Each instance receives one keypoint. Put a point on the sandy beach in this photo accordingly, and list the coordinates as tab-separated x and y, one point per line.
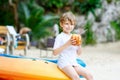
103	60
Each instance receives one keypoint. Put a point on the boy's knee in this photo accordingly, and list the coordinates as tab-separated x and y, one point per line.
75	77
89	76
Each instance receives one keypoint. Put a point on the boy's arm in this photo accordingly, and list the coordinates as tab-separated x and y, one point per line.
79	51
60	49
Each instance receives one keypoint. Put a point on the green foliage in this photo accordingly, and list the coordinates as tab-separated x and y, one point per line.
89	35
43	28
32	16
3	2
116	26
109	1
53	5
6	14
39	14
87	6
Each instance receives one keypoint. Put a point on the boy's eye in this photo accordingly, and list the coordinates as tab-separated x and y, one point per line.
66	23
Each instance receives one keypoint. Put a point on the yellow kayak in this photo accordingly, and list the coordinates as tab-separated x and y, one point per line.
28	69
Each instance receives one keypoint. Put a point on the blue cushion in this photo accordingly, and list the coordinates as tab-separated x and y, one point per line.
81	62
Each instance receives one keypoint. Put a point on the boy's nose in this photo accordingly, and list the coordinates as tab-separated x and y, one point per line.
71	27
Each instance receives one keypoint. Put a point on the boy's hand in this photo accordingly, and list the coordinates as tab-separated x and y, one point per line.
73	41
76	39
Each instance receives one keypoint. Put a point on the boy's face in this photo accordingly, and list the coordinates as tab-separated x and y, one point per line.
67	26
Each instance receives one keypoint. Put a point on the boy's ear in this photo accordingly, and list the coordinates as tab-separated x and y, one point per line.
61	24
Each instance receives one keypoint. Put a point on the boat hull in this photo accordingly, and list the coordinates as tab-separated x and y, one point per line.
28	69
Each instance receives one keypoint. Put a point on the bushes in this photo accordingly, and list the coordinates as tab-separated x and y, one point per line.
116	26
39	15
89	37
33	16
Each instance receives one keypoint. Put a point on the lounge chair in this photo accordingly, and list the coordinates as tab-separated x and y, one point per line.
19	42
48	48
4	39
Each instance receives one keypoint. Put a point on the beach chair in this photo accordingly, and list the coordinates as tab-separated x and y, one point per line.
4	39
48	47
19	42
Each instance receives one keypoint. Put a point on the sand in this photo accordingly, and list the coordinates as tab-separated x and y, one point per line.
103	60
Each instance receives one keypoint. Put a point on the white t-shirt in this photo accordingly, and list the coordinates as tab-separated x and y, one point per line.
67	56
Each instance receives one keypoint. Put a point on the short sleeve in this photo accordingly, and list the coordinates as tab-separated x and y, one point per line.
57	42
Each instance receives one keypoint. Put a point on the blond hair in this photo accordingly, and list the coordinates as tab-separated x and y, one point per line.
68	16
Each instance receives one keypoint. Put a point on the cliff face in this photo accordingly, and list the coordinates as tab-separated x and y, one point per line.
101	24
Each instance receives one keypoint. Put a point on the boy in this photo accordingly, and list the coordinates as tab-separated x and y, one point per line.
68	52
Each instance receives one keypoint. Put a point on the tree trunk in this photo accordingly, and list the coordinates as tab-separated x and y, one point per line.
14	5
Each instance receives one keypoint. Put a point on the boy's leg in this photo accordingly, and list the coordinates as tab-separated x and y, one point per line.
83	72
71	72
